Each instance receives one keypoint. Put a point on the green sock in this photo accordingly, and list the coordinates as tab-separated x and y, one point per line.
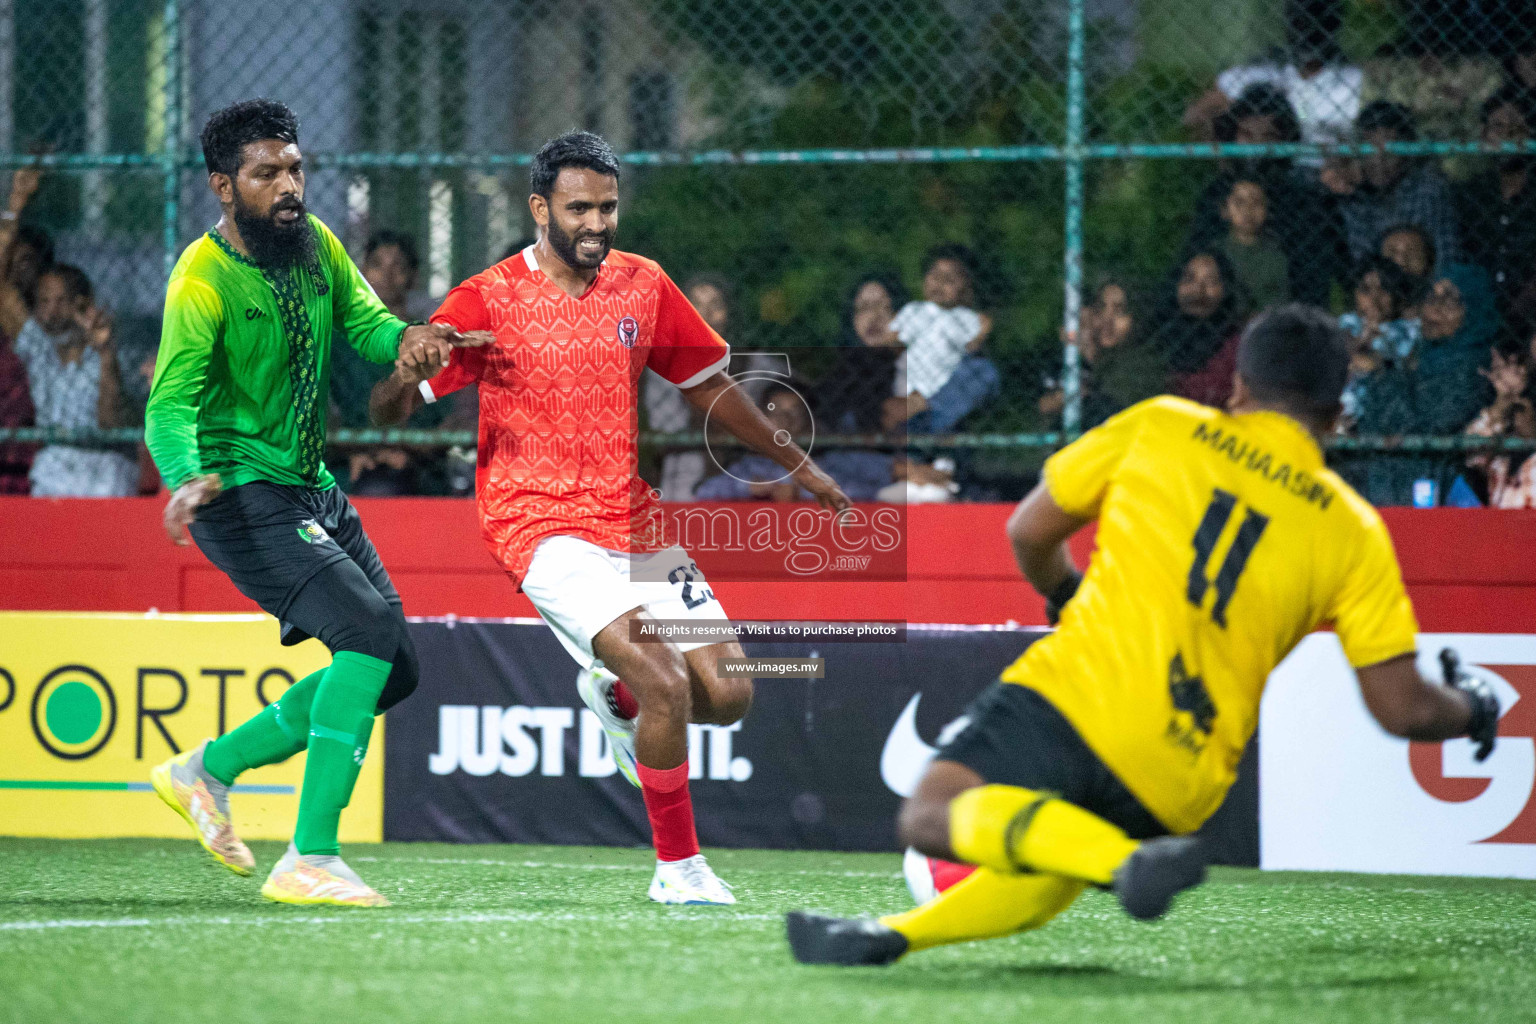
276	734
340	722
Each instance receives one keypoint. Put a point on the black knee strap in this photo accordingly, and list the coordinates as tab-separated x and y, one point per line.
1018	825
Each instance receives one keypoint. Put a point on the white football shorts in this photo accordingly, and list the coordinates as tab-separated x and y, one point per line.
579	588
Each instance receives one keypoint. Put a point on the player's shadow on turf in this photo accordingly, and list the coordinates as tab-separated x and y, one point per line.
1062	971
945	975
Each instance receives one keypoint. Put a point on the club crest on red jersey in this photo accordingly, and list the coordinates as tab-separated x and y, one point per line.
629	330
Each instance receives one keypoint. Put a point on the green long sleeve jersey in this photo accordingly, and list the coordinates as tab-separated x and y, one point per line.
241	381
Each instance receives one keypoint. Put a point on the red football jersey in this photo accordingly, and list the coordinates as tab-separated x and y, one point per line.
558	398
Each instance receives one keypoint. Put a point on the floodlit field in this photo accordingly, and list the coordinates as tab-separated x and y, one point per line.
141	930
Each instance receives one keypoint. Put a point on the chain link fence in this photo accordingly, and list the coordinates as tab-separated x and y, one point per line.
1059	207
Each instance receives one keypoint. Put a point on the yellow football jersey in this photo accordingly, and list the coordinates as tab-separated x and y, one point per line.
1222	541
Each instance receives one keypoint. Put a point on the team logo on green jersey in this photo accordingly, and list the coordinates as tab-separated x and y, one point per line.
313	532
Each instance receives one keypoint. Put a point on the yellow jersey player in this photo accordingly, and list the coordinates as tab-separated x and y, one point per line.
1223	539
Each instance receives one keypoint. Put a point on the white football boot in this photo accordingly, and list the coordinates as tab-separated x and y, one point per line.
596	688
689	882
316	880
203	802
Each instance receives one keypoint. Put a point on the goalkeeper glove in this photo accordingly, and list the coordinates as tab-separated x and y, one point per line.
1058	598
1484	723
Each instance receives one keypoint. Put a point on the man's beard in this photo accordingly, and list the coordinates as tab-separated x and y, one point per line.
565	246
272	244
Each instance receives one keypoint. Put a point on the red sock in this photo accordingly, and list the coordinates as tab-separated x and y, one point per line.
947	874
670	809
628	706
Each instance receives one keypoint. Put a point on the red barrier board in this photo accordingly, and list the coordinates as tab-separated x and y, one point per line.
1467	569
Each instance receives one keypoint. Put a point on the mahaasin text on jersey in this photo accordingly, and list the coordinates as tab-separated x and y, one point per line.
1298	482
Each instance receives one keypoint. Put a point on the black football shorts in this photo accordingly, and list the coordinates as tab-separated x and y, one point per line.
270	539
1015	737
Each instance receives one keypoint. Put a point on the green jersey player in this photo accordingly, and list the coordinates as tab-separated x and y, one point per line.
236	424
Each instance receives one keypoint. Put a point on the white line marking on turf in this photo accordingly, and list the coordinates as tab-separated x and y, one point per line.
124	922
490	863
523	916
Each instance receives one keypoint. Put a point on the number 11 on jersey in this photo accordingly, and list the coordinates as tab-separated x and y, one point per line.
1217	514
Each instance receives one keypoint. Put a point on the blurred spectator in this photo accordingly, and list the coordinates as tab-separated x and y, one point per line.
1497	210
753	477
1385	189
1301	216
72	373
853	393
1427	387
1459	323
149	474
919	483
1384	324
1442	90
390	263
941	378
710	295
1195	332
1496	479
15	411
1256	257
1115	368
18	261
1323	92
1411	248
26	249
667	411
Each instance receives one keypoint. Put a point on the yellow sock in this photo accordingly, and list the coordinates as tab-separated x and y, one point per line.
984	906
1012	829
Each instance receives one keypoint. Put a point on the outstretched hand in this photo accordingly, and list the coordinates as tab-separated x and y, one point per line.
1507	375
181	510
96	326
443	337
822	487
426	348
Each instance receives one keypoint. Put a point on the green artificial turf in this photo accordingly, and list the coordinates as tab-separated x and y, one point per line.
145	930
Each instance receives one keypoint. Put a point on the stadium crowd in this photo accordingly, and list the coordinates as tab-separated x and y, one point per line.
1433	275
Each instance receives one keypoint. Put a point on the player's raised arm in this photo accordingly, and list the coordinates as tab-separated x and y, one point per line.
688	353
397	396
460	328
378	335
368	324
1072	486
1038	529
193	319
728	405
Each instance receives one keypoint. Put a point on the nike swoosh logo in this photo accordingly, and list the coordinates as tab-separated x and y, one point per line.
905	756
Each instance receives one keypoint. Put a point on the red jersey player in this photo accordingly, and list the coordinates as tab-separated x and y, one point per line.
561	504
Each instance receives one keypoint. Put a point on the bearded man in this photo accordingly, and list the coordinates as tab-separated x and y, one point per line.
236	424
